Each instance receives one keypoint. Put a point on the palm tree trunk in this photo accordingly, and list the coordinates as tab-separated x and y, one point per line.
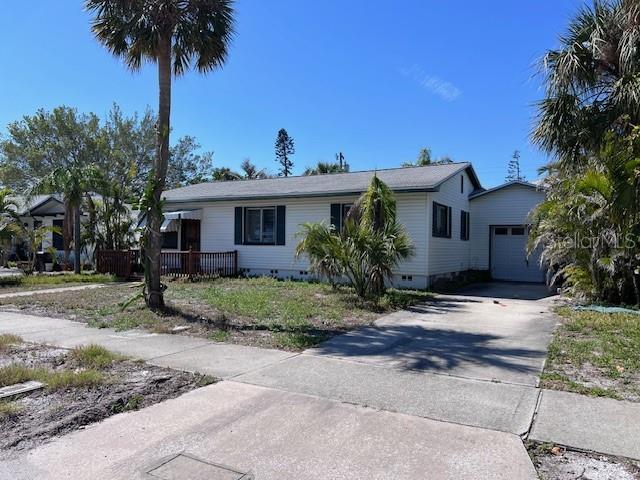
67	230
155	298
76	239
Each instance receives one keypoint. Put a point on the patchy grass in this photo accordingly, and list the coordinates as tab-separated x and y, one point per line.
7	340
596	354
219	336
94	356
77	397
259	311
55	380
9	409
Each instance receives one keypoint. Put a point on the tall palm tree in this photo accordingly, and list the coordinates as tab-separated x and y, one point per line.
176	35
592	81
73	182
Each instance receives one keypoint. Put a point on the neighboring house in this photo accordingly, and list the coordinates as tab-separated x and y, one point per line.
444	209
39	210
45	210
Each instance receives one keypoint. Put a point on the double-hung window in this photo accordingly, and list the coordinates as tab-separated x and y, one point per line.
260	225
441	220
339	212
464	225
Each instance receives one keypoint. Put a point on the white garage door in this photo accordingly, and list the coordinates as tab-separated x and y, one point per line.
509	255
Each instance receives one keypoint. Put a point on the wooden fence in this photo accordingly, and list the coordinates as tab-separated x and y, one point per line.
116	262
123	263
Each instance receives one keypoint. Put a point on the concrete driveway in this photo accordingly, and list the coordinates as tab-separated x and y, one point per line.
497	331
471	358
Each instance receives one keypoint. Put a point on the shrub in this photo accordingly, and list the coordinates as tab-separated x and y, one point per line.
367	249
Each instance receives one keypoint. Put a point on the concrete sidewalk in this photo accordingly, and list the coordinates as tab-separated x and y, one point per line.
601	425
28	293
274	435
495	406
173	351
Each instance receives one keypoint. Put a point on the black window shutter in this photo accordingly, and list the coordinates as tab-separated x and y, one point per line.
434	220
449	223
336	216
238	226
280	223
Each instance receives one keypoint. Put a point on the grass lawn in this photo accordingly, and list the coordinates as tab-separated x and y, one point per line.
19	283
596	354
259	311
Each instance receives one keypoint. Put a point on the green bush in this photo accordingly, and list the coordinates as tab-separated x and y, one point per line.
370	244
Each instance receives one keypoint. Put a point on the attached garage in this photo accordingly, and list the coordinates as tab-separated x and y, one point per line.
499	232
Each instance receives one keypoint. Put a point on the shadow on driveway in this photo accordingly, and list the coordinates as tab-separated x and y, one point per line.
467	335
436	350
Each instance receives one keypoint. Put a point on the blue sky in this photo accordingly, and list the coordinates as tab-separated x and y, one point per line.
374	79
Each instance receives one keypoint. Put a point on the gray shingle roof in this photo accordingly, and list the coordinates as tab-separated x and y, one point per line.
482	192
398	179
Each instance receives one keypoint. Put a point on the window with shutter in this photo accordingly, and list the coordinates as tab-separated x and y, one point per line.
260	225
441	222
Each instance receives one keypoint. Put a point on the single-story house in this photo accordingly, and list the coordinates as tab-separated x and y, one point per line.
43	210
455	224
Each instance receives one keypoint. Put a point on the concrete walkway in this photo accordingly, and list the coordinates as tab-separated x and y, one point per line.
174	351
28	293
598	424
273	435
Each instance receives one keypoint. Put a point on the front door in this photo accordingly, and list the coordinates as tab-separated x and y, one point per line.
190	235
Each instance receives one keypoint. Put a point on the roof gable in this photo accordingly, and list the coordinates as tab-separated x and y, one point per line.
512	183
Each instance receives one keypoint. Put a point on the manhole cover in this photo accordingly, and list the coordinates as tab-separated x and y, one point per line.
186	467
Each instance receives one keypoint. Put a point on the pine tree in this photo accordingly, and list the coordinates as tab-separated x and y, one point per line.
284	149
513	169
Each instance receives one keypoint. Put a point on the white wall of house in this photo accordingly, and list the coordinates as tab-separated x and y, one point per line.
508	206
217	234
450	255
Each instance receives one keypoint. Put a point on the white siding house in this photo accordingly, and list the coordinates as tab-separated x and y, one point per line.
260	219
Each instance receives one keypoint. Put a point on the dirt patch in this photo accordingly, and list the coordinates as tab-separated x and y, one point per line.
41	415
555	463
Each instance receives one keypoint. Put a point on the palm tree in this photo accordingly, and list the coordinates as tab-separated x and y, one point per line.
251	172
224	174
367	249
33	237
8	210
9	219
323	168
174	34
73	182
592	81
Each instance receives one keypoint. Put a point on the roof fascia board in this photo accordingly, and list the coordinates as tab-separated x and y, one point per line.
290	196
